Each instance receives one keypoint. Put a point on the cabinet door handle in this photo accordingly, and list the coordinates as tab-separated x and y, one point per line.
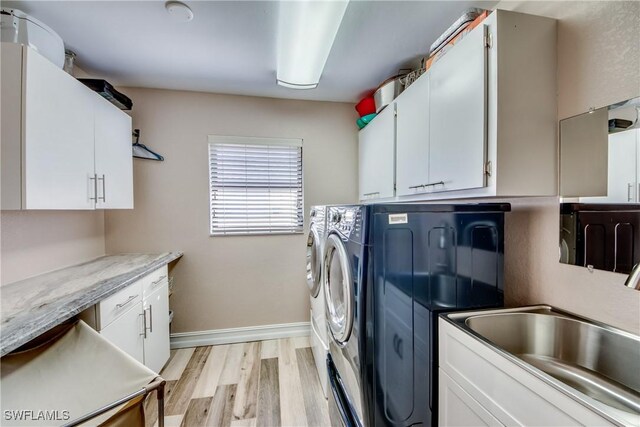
95	187
144	323
154	284
431	184
122	304
629	188
150	318
104	195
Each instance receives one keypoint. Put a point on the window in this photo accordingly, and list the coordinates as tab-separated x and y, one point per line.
255	185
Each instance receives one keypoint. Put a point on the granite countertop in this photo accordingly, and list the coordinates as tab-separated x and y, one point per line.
32	306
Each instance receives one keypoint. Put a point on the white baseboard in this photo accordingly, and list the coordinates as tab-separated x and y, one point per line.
234	335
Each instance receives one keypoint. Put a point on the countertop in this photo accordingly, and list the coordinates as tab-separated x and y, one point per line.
32	306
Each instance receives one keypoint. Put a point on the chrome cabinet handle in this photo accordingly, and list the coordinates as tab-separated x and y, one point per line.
629	188
427	185
104	199
95	187
371	194
150	319
144	323
154	284
122	304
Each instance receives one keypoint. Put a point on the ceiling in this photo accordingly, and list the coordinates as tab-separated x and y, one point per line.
230	46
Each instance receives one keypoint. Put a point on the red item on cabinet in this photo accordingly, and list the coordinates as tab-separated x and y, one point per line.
366	106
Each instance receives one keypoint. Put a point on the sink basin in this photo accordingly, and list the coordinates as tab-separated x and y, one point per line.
597	360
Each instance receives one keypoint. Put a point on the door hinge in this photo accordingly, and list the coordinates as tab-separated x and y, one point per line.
487	168
395	113
488	40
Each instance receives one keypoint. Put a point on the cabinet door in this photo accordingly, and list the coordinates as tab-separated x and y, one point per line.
457	408
377	156
412	138
621	169
622	187
156	343
114	161
58	150
10	129
126	333
458	108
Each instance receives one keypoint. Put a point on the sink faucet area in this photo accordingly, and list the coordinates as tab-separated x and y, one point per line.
576	355
633	280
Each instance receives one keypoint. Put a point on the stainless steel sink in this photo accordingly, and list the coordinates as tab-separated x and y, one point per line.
599	361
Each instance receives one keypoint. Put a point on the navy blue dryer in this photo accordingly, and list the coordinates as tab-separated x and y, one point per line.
425	260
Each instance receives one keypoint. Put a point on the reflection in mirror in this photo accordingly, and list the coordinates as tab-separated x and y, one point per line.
600	188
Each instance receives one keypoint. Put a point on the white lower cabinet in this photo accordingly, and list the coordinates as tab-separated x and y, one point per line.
458	408
136	319
156	322
126	333
479	386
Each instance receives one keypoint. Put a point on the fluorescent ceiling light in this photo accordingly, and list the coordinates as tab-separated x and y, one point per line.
306	31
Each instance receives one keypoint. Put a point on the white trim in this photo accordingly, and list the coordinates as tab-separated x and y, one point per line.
234	335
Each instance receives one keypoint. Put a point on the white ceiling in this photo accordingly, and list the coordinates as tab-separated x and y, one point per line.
230	46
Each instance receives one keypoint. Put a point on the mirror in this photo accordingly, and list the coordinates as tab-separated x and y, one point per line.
600	188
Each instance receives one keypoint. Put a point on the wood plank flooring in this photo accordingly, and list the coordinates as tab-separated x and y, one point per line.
263	383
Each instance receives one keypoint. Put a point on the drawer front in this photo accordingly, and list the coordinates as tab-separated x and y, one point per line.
119	303
153	281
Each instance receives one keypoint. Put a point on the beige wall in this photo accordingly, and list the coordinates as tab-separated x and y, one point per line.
34	242
225	282
598	64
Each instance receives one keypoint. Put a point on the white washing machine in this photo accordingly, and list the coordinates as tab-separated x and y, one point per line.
315	251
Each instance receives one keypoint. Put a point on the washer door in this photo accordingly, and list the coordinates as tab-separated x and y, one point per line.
314	260
337	288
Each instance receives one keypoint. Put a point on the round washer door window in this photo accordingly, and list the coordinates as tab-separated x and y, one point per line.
337	287
314	259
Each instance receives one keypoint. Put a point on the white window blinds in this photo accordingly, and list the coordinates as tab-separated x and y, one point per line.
255	185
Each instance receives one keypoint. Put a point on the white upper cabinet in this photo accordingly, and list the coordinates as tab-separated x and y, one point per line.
412	139
458	111
623	169
114	162
57	136
481	122
376	155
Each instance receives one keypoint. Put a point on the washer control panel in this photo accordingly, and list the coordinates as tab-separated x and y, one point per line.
347	220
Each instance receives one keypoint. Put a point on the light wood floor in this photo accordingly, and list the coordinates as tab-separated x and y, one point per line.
263	383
